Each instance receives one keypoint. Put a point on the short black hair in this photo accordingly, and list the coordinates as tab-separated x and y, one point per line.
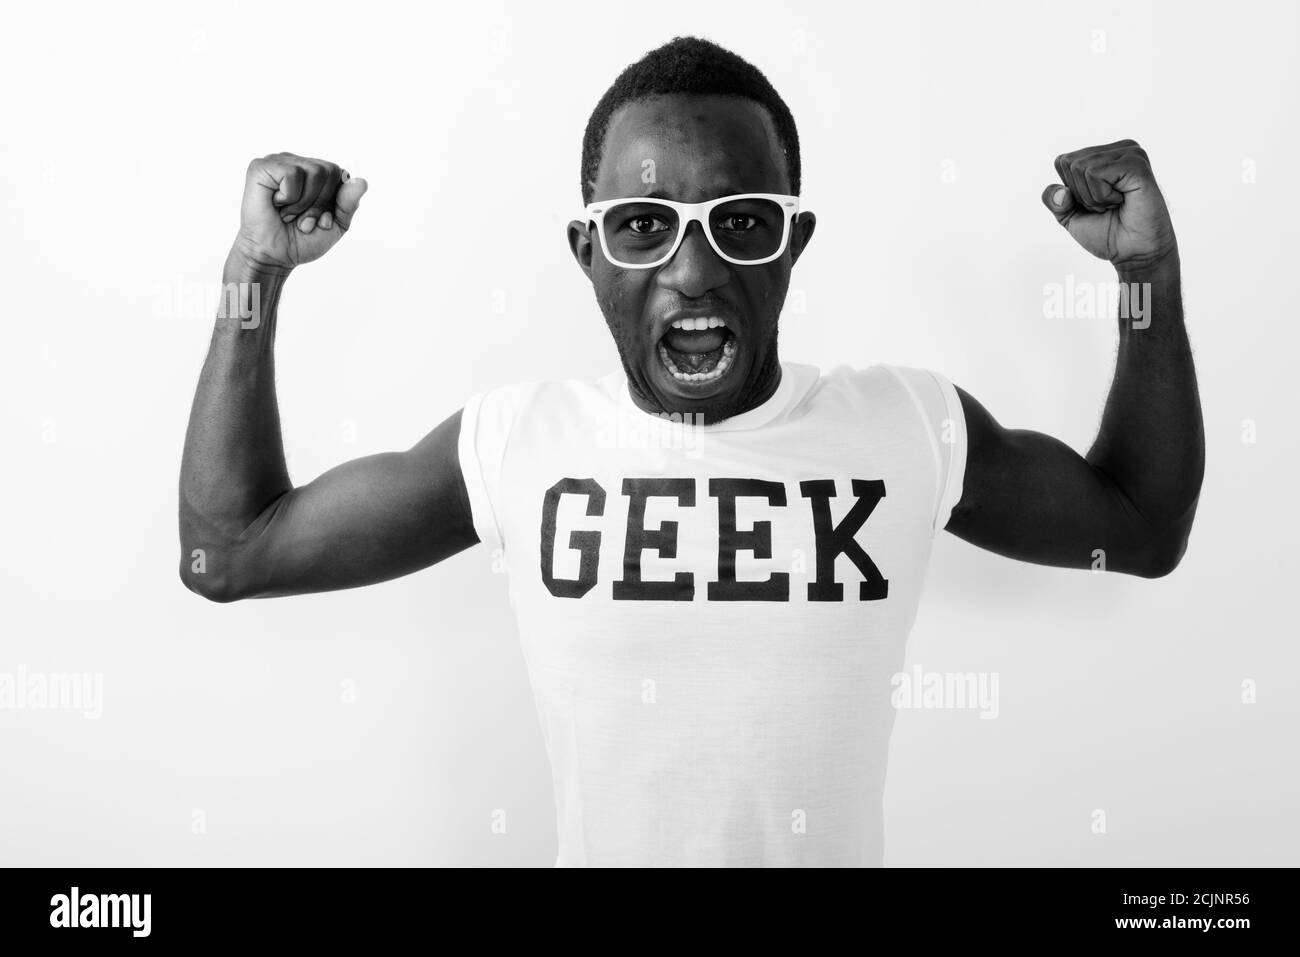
693	66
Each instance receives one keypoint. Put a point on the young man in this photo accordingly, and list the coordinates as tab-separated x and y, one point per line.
715	556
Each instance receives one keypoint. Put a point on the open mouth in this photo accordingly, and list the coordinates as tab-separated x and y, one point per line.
698	350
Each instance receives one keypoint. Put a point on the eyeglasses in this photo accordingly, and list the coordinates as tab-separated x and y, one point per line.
747	229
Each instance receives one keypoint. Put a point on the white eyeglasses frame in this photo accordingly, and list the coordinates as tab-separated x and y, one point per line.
688	213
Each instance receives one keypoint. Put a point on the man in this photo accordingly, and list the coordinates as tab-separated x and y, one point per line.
715	556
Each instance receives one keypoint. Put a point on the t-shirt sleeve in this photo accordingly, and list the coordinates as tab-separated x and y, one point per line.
945	422
484	428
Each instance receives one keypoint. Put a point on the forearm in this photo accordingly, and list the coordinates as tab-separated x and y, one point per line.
233	466
1151	443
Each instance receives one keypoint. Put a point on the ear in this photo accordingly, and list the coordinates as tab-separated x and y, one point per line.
801	231
580	244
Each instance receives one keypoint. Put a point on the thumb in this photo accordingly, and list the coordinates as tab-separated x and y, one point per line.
1060	201
347	199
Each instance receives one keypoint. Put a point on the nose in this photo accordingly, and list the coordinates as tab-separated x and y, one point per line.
695	268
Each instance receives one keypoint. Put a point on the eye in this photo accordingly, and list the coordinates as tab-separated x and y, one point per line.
647	224
736	222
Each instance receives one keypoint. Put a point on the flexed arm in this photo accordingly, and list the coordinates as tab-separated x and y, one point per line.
1132	499
245	530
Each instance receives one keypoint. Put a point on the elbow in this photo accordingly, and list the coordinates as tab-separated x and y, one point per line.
1165	553
198	575
213	563
1161	566
212	592
1165	542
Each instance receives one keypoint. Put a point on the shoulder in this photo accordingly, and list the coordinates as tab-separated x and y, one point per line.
875	386
525	395
501	409
930	391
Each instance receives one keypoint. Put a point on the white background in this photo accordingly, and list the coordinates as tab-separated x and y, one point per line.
928	133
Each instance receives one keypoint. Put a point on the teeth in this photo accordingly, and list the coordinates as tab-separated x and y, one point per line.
668	361
700	324
728	353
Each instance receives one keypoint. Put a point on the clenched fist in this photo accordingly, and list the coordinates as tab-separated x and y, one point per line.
294	210
1111	205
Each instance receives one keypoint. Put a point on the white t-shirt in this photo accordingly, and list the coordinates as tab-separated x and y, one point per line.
711	615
